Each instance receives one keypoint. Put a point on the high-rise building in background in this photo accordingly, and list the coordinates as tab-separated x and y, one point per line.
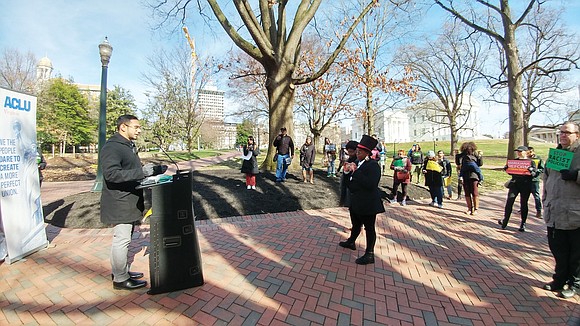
211	104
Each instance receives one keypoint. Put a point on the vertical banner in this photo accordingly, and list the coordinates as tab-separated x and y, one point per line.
22	228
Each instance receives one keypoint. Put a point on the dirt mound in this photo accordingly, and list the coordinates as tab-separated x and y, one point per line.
222	193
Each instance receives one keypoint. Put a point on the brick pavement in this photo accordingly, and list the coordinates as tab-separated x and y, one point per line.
433	267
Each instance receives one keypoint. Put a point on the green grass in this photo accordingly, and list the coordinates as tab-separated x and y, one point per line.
494	152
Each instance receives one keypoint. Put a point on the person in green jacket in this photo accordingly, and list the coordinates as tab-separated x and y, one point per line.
536	180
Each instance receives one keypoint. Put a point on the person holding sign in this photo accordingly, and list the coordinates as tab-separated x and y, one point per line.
522	170
402	167
536	180
561	199
434	172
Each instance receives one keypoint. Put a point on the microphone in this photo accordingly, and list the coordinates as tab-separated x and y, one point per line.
164	152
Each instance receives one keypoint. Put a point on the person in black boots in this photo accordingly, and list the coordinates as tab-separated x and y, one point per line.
362	179
519	184
561	198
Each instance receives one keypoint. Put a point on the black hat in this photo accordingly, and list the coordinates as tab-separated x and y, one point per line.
521	149
367	142
283	129
351	144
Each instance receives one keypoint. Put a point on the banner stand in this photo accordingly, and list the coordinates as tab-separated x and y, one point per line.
22	228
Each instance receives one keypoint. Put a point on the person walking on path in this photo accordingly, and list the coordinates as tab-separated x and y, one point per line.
470	173
417	159
520	184
307	157
350	148
121	204
536	180
250	165
401	165
561	199
363	184
434	171
284	154
330	152
447	176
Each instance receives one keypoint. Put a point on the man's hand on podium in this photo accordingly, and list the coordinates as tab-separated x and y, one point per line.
151	169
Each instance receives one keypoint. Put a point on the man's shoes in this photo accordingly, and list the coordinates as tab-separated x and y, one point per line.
404	203
249	187
347	244
367	258
522	227
432	204
440	205
129	284
133	275
570	292
552	286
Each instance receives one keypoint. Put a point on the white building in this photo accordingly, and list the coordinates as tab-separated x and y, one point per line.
428	123
392	126
211	103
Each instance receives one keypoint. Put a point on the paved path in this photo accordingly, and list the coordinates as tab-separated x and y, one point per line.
433	267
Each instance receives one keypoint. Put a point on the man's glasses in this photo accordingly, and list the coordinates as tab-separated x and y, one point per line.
566	132
134	127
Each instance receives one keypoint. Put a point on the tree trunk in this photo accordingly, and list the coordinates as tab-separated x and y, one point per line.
281	103
370	112
515	99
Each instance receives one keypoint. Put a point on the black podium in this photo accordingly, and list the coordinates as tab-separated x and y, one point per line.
175	256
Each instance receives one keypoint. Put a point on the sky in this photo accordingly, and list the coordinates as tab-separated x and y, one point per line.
68	32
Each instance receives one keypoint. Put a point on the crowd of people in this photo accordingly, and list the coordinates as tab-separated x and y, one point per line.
363	164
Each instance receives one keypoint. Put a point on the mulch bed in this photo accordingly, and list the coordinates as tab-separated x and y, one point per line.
222	193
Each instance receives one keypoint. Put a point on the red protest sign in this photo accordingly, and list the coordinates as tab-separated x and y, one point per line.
518	167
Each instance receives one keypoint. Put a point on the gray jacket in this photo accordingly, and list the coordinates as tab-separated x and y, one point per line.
561	198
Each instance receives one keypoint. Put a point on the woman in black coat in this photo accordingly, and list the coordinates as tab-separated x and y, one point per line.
363	179
307	157
250	165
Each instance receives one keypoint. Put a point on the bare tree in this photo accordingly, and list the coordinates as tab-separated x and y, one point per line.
273	38
447	68
367	65
499	23
172	106
247	81
551	51
17	70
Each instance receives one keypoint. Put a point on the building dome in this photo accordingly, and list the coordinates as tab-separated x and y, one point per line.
45	62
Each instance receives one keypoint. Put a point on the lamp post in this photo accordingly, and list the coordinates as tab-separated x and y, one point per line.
105	51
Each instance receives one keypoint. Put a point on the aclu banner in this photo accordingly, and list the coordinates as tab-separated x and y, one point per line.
21	220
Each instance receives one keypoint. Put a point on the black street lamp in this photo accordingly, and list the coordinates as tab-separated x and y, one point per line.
105	50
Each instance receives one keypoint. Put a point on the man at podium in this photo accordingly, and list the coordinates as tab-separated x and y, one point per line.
121	204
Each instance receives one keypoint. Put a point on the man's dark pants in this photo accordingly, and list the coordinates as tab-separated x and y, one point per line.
565	247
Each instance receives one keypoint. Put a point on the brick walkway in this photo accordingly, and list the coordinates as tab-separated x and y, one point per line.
433	267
